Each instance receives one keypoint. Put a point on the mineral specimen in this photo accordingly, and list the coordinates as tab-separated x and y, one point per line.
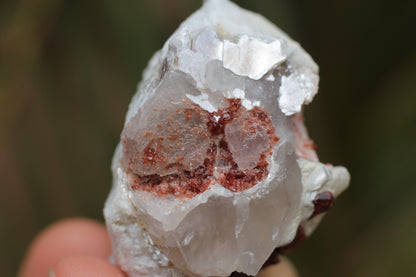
215	169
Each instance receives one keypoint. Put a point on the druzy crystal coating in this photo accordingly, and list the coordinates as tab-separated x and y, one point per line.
215	169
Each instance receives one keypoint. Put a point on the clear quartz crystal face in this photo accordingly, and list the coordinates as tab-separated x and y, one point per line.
215	169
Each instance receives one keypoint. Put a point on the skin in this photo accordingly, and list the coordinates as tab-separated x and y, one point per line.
81	247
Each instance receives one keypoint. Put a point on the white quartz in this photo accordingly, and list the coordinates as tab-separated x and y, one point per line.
220	52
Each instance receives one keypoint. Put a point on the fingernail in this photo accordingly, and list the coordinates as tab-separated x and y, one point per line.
51	273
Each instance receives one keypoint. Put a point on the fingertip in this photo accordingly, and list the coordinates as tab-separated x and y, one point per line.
84	265
64	238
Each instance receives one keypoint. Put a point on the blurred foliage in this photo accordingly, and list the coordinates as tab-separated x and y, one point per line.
69	68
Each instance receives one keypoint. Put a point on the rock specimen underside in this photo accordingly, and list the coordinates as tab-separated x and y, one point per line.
215	172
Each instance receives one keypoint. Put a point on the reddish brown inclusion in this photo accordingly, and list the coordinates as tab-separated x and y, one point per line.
322	203
189	183
238	180
185	183
226	115
152	155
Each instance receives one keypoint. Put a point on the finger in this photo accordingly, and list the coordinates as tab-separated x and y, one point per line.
84	265
64	238
283	269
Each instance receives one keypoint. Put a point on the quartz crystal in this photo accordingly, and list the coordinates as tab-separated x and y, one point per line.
215	169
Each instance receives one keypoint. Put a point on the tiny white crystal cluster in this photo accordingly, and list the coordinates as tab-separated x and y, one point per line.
221	52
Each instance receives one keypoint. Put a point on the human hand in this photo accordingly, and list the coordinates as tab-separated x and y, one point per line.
81	247
72	247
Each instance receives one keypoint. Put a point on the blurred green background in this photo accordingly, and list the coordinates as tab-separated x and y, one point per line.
69	68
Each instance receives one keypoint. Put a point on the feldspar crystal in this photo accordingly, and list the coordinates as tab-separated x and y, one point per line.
215	169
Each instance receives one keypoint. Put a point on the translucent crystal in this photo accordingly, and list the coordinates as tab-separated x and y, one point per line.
166	136
247	140
215	168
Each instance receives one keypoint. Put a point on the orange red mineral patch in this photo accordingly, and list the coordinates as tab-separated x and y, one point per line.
219	165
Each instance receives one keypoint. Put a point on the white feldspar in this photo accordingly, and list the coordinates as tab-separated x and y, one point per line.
219	53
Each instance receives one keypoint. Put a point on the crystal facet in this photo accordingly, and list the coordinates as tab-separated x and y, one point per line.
215	169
